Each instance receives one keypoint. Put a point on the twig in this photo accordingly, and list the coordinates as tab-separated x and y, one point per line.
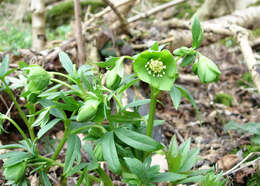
104	12
154	10
234	169
252	65
79	36
118	14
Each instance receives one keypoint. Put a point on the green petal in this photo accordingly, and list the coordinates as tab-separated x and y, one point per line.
169	61
139	66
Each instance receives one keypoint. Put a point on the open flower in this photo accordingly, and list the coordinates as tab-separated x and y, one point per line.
157	68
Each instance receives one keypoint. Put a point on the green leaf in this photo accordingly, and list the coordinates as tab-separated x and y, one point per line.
11	146
110	152
76	169
207	70
66	63
168	177
72	153
137	140
4	66
189	97
197	33
137	103
47	127
137	167
175	96
187	60
105	178
255	139
111	61
44	178
16	172
155	47
15	158
42	119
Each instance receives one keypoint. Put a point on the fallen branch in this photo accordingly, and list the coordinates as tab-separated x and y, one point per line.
118	14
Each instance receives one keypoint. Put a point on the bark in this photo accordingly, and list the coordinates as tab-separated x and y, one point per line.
38	24
79	37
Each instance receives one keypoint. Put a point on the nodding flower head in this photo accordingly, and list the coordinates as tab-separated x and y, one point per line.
157	68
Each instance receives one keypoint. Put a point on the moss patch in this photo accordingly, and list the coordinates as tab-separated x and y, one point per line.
224	99
246	81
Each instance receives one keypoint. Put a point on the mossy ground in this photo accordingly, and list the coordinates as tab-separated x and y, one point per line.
223	98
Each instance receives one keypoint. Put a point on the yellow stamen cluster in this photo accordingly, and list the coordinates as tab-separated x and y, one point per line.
155	68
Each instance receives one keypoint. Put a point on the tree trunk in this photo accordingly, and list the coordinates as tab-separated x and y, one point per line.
79	37
38	24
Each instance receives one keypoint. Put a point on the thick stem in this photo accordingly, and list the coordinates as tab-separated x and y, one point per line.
154	93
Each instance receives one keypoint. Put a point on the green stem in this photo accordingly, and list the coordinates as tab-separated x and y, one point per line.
21	113
66	85
75	131
85	171
74	81
154	94
19	129
53	162
63	140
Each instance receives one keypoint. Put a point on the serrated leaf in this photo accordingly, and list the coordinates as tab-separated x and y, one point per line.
72	153
137	103
15	158
137	140
47	127
110	152
175	96
66	63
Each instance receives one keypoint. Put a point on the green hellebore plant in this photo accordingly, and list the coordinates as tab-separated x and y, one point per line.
88	110
157	68
38	79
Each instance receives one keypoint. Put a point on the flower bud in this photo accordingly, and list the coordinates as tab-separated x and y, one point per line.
88	110
15	173
38	79
112	80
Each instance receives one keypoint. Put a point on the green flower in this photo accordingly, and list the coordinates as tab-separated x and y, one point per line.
38	79
157	68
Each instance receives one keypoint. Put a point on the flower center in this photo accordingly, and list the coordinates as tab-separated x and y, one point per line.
155	67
